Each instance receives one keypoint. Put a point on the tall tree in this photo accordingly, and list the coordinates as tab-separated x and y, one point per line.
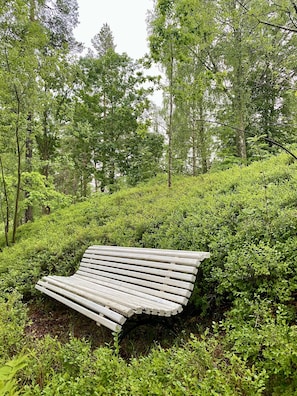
236	33
233	75
273	75
21	39
110	123
27	43
164	47
103	41
181	38
57	75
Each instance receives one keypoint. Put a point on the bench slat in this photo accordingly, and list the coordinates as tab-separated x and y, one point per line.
161	252
138	281
186	269
149	257
123	287
170	272
97	318
130	286
134	276
136	304
61	288
158	305
93	295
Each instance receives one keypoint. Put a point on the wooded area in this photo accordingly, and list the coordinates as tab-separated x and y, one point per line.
73	123
79	131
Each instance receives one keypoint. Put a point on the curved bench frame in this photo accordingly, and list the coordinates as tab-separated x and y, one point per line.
114	283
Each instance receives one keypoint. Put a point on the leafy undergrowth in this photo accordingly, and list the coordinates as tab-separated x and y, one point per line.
140	336
245	293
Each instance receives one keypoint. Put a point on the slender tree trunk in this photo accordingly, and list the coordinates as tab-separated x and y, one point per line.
45	145
29	150
95	177
194	129
170	123
239	101
6	216
239	110
194	149
203	143
29	155
85	185
19	154
19	175
241	142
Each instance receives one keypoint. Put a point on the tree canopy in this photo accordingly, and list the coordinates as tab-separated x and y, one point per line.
84	122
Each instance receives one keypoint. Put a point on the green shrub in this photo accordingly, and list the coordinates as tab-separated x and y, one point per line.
255	269
45	361
198	367
8	372
13	320
263	337
245	217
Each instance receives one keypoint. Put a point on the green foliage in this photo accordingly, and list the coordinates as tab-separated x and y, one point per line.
257	269
8	383
42	193
111	136
13	319
179	30
199	367
35	41
265	338
245	217
229	68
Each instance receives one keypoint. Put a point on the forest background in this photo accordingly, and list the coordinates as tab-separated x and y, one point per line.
75	124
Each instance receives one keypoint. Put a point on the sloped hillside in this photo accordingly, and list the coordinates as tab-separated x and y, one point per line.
245	217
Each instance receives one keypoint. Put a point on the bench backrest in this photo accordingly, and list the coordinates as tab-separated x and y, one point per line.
168	274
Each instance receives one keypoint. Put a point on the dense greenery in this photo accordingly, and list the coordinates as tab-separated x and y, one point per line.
245	217
230	70
75	122
71	123
77	126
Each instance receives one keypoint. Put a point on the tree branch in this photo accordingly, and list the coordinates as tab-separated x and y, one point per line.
281	146
292	30
294	6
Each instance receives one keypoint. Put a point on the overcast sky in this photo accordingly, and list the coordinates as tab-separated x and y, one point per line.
126	18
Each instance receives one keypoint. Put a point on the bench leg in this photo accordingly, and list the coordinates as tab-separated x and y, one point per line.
141	320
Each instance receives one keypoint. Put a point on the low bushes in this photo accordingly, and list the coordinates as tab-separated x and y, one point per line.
199	367
245	217
258	358
13	320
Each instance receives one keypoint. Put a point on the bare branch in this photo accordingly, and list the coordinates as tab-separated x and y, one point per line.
288	29
281	146
294	6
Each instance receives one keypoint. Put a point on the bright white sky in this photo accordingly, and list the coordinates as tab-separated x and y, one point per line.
126	18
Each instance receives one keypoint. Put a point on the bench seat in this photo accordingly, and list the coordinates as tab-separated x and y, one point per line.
114	283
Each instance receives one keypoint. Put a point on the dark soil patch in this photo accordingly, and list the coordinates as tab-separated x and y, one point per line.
57	320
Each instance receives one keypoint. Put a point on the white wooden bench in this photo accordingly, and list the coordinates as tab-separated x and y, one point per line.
113	283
